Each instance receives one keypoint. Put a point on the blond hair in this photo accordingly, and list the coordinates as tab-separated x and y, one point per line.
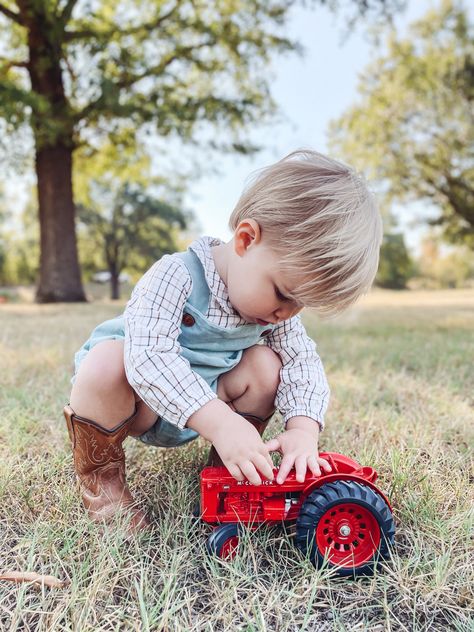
319	217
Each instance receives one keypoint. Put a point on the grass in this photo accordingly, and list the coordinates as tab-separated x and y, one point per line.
400	366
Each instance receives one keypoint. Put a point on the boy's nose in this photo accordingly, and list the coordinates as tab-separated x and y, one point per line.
286	312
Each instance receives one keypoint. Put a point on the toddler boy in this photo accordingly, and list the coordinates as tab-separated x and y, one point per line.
211	341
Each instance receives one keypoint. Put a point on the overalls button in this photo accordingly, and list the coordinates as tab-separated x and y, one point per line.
188	320
267	332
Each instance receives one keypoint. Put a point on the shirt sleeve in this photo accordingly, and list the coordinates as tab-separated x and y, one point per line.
303	388
154	366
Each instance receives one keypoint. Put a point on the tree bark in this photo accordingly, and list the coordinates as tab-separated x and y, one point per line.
111	249
60	278
114	286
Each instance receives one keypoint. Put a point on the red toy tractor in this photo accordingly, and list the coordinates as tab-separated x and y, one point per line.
341	519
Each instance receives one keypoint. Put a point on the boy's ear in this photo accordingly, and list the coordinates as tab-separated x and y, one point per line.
246	234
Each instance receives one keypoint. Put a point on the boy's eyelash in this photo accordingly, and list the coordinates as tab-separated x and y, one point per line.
280	295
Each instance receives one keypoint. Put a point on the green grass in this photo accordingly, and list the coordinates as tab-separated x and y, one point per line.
400	367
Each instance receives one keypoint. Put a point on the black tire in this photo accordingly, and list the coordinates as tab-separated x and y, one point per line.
221	537
371	528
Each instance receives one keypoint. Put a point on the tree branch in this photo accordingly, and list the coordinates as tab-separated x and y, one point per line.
11	15
12	63
127	80
90	33
180	52
67	11
72	36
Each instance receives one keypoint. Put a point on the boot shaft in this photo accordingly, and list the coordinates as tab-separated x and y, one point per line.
99	462
94	446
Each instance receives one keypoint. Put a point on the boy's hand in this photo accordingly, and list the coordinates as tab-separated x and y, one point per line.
237	442
242	450
299	447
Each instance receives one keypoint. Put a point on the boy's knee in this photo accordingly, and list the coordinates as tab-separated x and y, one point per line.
266	365
103	368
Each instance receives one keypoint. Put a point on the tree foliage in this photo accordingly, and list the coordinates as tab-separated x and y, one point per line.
86	73
18	244
396	266
129	63
129	229
444	267
413	128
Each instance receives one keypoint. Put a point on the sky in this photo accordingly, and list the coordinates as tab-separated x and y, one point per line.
310	92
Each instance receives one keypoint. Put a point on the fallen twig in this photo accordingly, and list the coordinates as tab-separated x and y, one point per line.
35	578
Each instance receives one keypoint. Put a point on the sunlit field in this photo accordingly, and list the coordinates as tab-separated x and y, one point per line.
401	370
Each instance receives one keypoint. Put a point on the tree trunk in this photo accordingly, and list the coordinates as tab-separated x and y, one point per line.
112	257
114	286
53	129
60	278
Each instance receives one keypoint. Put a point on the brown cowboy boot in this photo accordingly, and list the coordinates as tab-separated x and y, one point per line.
214	460
99	461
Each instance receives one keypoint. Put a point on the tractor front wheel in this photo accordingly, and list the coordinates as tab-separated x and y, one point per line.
224	541
346	526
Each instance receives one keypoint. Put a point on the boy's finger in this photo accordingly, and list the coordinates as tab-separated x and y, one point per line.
313	466
285	468
250	473
270	463
263	466
265	452
300	467
273	445
324	464
234	471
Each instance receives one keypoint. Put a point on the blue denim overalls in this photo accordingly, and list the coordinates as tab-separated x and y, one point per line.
210	349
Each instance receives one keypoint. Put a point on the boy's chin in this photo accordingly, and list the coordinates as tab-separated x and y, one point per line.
252	319
249	319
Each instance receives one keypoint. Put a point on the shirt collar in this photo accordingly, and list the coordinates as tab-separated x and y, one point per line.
202	248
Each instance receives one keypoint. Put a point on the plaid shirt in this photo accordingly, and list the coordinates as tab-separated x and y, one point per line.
165	380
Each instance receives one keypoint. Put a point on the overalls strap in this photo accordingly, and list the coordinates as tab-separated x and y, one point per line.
199	297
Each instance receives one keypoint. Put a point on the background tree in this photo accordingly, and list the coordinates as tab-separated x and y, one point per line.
445	267
81	71
413	128
396	266
2	238
129	229
19	248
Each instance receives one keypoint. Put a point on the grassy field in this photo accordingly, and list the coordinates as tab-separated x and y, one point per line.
401	370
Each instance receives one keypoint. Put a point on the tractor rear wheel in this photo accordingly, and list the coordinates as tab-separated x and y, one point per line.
346	526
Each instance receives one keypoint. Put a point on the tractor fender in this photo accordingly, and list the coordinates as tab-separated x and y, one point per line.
330	478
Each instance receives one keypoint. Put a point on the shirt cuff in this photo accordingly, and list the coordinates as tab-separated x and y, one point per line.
195	407
296	412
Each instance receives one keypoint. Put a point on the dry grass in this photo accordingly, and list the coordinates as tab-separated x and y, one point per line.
400	365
